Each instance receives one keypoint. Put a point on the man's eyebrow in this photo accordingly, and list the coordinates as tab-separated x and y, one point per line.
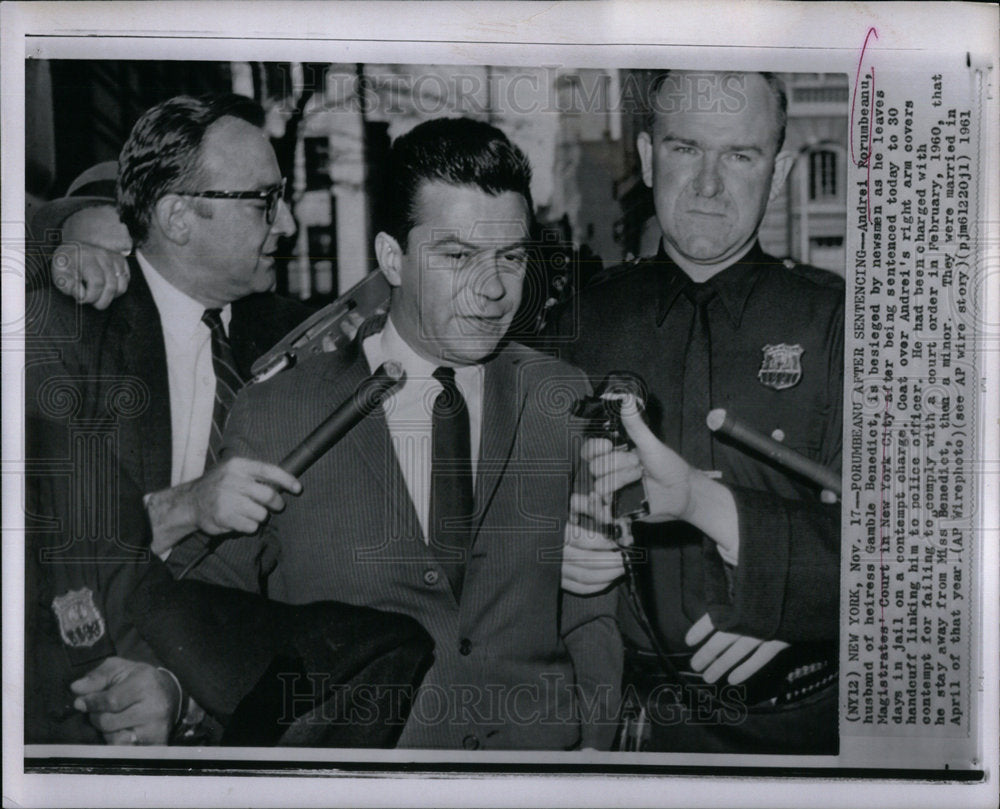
458	242
736	147
677	139
453	240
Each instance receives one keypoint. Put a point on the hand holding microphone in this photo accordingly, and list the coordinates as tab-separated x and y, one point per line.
674	489
368	395
233	496
592	561
599	527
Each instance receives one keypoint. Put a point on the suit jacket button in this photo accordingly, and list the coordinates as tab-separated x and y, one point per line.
465	646
470	742
430	577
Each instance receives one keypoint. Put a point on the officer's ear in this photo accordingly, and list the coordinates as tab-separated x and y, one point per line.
172	215
644	143
390	258
783	163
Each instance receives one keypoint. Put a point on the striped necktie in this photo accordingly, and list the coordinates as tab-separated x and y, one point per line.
227	381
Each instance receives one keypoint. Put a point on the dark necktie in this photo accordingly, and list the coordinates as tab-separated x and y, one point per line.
451	480
227	382
696	438
696	449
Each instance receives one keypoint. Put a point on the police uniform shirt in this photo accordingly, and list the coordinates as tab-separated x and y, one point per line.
775	360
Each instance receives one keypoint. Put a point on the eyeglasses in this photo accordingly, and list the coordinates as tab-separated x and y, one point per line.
270	196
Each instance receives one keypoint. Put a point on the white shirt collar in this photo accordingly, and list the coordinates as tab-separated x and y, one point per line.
390	345
180	314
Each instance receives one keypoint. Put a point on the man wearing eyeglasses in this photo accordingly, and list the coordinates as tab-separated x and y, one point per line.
201	194
199	190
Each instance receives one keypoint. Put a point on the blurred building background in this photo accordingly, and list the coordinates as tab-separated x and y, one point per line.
331	125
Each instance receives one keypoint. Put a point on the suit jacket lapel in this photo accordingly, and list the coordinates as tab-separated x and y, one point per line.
370	440
144	356
503	402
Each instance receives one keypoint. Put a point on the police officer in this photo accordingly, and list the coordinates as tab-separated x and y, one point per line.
712	321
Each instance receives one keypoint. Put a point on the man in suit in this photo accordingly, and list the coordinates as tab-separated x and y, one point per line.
448	504
712	321
102	611
200	192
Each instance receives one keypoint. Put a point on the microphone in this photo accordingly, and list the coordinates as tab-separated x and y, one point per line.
721	421
367	396
629	502
601	414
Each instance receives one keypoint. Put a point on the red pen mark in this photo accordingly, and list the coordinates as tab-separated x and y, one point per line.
857	78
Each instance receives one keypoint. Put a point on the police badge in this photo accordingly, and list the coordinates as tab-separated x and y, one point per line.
80	622
782	366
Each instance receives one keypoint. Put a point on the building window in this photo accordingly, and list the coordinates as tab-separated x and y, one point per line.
822	175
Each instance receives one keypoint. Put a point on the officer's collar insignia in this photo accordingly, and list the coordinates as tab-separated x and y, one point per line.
782	366
80	622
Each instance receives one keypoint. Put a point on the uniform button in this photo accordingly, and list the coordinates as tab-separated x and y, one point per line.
465	646
470	743
430	577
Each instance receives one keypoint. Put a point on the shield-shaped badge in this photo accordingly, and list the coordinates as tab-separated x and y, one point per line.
80	621
782	366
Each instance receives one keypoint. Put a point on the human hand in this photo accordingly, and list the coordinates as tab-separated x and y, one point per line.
667	475
591	562
89	274
234	496
90	264
740	655
129	702
675	490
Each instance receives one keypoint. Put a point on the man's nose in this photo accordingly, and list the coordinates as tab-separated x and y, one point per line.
284	222
489	283
708	182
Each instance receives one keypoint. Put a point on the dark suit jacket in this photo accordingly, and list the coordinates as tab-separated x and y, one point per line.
112	366
98	436
512	653
66	642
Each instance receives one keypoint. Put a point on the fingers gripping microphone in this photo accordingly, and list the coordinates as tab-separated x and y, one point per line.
368	395
602	414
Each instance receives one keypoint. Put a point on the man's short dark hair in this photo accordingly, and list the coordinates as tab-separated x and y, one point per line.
163	152
457	151
774	83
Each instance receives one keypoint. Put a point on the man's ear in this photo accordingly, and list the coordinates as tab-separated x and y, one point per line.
390	258
644	143
783	163
172	214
